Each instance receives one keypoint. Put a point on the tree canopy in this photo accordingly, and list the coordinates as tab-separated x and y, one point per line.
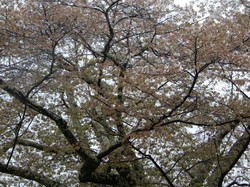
124	93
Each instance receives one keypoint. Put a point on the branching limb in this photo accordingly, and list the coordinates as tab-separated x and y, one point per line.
17	129
163	173
60	122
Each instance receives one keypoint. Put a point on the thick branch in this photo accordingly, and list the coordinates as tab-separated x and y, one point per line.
37	146
201	170
232	157
109	150
103	178
30	175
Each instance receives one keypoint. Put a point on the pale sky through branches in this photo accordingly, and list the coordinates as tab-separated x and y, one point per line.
182	2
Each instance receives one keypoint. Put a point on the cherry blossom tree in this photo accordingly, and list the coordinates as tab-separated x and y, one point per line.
124	93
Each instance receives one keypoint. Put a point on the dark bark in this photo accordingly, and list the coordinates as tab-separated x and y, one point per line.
30	175
228	161
103	178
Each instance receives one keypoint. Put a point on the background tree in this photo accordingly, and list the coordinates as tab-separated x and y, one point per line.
124	93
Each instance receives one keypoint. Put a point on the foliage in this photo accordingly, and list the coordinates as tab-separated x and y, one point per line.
124	93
